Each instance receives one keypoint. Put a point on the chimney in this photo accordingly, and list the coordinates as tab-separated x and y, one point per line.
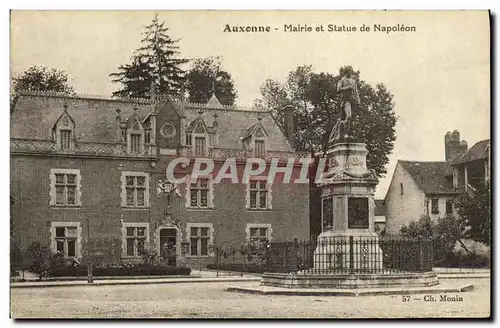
288	123
152	91
453	147
118	125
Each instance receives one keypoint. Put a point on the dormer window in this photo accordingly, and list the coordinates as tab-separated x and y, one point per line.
255	139
135	135
197	137
63	131
135	143
259	148
65	139
200	146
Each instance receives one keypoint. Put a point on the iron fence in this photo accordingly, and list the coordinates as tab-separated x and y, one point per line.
334	255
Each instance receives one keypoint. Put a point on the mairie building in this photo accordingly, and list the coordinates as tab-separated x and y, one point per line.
88	173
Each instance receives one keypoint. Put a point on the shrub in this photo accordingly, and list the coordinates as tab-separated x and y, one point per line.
150	257
239	267
40	259
131	270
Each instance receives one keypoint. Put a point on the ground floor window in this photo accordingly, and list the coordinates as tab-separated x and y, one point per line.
135	238
66	239
258	233
200	236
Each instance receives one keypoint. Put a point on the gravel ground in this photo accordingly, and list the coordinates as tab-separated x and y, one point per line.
211	300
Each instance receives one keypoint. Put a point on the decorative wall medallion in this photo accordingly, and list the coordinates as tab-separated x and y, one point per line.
333	163
355	161
167	131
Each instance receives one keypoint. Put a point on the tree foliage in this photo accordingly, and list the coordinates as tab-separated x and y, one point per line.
207	76
317	108
156	61
43	79
474	210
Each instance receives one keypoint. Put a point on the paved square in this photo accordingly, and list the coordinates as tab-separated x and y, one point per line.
211	300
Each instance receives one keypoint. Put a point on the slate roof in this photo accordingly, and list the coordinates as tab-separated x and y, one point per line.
476	152
380	209
431	177
95	118
234	123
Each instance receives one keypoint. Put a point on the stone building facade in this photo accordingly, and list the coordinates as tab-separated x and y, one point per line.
428	188
85	174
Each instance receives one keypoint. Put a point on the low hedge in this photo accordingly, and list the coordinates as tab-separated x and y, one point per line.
463	261
238	267
140	270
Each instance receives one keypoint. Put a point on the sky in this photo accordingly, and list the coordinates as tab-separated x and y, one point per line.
439	74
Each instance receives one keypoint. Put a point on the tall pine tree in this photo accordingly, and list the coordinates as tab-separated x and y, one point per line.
156	61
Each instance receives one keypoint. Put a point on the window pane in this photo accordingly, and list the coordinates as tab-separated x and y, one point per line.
130	181
194	231
188	139
263	199
204	183
194	246
71	247
253	232
204	198
253	199
199	146
130	247
59	195
204	232
262	184
141	231
140	246
71	179
60	232
60	178
259	148
130	196
130	231
194	197
71	232
140	181
253	184
60	245
135	146
263	232
140	196
71	195
65	139
204	246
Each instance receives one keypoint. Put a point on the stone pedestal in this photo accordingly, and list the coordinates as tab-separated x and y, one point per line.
347	209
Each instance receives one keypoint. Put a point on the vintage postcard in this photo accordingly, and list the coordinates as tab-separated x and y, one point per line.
250	164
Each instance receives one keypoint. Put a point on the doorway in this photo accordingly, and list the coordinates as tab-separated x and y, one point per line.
168	246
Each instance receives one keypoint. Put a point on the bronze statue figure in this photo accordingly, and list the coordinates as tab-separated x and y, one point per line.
349	98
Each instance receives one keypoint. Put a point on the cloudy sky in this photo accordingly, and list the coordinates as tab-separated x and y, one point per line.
439	74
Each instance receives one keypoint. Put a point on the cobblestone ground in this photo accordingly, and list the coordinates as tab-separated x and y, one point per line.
210	300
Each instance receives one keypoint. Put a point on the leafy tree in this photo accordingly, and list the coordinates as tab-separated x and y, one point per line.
207	76
154	62
41	78
443	240
474	210
317	105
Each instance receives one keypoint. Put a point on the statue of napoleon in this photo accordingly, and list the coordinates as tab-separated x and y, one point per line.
349	100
